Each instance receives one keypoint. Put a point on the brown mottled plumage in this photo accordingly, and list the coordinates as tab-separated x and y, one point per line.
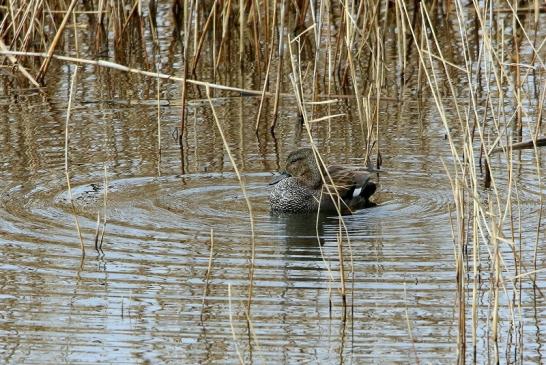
300	188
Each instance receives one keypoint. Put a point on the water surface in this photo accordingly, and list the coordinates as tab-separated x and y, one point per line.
148	296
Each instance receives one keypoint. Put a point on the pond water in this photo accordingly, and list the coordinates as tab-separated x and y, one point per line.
148	295
142	300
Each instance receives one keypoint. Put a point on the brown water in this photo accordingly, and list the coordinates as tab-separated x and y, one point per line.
141	299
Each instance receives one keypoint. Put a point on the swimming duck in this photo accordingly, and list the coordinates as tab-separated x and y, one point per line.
300	189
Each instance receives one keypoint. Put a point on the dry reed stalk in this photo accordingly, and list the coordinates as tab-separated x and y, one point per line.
536	142
253	336
97	232
196	26
133	12
247	200
214	50
76	12
496	284
207	274
317	27
225	24
100	29
152	17
329	68
67	175
317	235
540	110
75	26
532	144
484	222
185	55
158	124
460	239
326	117
461	274
256	33
408	323
475	206
339	241
117	66
457	191
266	80
477	209
197	51
21	19
234	335
517	75
350	36
45	64
242	32
379	81
329	186
20	67
279	66
104	214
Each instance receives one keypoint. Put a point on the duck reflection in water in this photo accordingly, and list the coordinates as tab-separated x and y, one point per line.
302	230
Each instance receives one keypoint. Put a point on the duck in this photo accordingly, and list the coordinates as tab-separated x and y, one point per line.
300	189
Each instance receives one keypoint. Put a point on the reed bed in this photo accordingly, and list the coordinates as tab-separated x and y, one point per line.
480	63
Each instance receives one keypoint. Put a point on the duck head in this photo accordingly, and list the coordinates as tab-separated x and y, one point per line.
302	164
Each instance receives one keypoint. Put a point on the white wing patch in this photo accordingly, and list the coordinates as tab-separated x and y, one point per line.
356	192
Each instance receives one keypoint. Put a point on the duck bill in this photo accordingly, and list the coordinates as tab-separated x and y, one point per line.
278	178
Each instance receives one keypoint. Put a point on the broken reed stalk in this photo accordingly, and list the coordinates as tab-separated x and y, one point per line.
247	200
67	175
